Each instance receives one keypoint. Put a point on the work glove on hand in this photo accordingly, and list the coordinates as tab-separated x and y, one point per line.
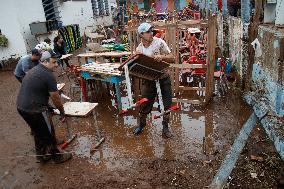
50	109
62	116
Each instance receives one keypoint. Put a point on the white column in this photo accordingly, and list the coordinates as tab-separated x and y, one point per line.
279	12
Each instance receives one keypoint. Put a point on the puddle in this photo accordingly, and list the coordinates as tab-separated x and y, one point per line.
193	128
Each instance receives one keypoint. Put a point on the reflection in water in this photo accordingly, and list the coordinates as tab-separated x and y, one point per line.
190	127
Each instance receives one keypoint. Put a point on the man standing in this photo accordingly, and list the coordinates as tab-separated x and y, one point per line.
59	49
32	104
158	49
26	63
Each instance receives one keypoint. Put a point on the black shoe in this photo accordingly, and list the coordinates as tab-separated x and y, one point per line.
166	132
142	124
62	158
42	159
138	130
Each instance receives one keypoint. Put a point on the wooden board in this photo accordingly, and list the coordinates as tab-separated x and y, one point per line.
105	54
187	66
191	101
209	83
66	56
95	36
78	109
91	54
102	68
60	86
145	67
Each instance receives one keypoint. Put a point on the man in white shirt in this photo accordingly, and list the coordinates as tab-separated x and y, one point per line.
159	50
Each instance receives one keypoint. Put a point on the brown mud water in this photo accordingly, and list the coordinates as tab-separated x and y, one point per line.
201	138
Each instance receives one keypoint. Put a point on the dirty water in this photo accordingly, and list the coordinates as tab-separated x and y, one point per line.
193	128
123	160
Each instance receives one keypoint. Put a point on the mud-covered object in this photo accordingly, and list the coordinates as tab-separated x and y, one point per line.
145	67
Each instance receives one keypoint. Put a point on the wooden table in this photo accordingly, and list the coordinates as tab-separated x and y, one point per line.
114	54
103	75
96	38
78	109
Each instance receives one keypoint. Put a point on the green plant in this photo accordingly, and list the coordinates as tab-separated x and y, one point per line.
3	41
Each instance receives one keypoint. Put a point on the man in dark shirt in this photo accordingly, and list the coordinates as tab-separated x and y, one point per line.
32	103
26	63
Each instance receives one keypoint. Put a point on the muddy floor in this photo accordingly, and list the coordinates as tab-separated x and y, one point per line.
190	159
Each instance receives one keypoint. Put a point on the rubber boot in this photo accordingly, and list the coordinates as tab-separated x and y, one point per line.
60	156
41	151
142	124
166	132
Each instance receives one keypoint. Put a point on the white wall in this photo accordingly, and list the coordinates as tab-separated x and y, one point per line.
77	12
29	11
280	12
11	29
16	15
80	12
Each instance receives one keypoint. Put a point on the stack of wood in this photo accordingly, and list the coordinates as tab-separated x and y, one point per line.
109	69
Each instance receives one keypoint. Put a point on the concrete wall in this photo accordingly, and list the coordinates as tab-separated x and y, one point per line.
268	70
280	12
16	15
27	12
10	28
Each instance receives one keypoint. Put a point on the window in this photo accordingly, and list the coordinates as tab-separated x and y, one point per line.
106	7
51	12
100	7
95	8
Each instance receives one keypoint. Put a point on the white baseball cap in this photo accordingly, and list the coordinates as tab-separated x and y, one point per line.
144	27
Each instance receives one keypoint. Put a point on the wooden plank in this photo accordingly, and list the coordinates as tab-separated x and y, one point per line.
212	33
175	43
79	109
105	54
192	88
130	38
187	66
192	22
134	39
86	55
66	56
60	86
110	69
191	101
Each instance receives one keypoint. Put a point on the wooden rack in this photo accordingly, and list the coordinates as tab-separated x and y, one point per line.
173	32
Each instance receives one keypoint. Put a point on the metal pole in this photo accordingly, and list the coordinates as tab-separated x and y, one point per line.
231	158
